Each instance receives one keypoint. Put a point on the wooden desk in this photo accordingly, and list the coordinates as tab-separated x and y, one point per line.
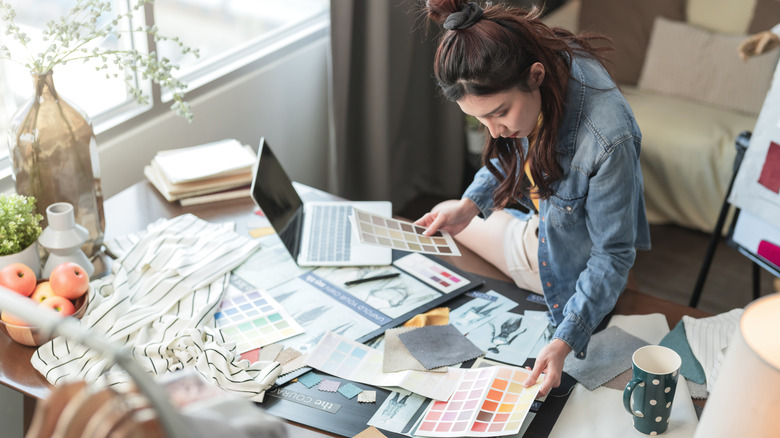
134	208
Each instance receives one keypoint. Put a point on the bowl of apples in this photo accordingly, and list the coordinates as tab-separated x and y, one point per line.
65	291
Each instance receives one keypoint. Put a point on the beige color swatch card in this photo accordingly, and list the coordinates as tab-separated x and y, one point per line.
376	230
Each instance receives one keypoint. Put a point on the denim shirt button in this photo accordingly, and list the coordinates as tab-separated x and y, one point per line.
582	354
555	306
544	263
568	208
549	284
542	239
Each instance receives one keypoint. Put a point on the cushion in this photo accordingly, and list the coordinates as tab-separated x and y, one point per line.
724	16
765	16
566	16
692	63
628	23
687	156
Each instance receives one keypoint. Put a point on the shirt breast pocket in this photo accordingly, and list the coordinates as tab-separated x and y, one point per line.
565	212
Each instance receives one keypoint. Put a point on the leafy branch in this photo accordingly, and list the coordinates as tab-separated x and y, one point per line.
70	37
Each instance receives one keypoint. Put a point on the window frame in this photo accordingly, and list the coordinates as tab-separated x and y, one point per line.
200	79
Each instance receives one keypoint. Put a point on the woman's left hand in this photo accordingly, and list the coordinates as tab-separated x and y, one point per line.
550	362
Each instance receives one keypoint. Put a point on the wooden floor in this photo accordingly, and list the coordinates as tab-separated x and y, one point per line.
670	269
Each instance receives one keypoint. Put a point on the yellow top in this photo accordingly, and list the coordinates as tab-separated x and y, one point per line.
534	193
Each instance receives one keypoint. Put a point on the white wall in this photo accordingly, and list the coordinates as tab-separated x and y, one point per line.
284	100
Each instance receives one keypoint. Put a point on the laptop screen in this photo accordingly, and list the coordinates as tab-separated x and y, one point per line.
274	193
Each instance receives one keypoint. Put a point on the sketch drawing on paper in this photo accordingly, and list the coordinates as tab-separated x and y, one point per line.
396	411
508	331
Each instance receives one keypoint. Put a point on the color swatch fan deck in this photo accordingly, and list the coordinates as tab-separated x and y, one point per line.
488	402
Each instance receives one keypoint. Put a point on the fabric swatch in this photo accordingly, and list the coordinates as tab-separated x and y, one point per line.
287	355
270	352
609	354
295	364
371	432
397	357
309	379
708	337
621	380
676	340
328	385
437	316
770	172
697	390
367	397
439	345
252	355
349	390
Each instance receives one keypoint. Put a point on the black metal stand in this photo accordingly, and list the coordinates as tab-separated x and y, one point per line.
741	144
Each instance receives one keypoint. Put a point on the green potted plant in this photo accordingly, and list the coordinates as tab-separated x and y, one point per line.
20	226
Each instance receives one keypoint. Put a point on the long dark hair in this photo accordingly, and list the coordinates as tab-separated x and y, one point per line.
495	54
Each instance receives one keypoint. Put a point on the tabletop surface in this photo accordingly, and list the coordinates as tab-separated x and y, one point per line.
134	208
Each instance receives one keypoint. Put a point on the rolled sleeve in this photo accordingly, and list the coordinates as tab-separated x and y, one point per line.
575	333
480	191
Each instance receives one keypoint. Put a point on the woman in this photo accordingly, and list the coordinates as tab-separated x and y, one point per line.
563	152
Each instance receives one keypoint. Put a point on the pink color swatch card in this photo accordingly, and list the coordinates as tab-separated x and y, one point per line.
345	358
430	272
488	401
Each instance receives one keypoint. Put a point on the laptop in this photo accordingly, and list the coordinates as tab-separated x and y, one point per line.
315	233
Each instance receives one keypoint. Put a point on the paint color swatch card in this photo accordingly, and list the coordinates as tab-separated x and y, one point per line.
341	357
488	401
255	319
431	273
377	230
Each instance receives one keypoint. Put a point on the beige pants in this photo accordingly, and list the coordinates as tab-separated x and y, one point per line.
521	246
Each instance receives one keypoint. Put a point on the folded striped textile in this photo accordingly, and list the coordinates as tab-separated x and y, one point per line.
159	300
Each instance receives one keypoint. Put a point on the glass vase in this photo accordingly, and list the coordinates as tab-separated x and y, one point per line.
54	158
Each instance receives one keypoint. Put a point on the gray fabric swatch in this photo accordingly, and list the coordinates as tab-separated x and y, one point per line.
439	345
609	354
397	357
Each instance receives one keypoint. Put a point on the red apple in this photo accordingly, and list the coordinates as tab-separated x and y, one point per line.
19	278
69	280
59	304
13	320
42	291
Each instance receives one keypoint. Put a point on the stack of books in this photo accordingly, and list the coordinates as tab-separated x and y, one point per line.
204	173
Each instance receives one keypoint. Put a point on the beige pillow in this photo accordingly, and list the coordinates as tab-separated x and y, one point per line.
692	63
724	16
628	23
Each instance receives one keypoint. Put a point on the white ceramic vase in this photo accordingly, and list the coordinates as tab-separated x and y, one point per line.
28	256
63	239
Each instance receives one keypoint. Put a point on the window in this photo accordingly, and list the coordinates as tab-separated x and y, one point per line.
228	33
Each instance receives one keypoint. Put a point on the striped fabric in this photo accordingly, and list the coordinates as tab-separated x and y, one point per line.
160	300
709	338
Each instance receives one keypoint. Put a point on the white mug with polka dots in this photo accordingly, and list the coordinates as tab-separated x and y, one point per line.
649	394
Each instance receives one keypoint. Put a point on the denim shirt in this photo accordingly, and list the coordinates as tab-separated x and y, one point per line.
590	228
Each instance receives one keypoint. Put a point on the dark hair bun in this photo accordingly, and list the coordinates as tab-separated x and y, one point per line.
439	10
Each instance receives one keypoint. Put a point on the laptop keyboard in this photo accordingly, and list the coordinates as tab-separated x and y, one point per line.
330	233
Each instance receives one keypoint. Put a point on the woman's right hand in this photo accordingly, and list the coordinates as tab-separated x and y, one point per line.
451	216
